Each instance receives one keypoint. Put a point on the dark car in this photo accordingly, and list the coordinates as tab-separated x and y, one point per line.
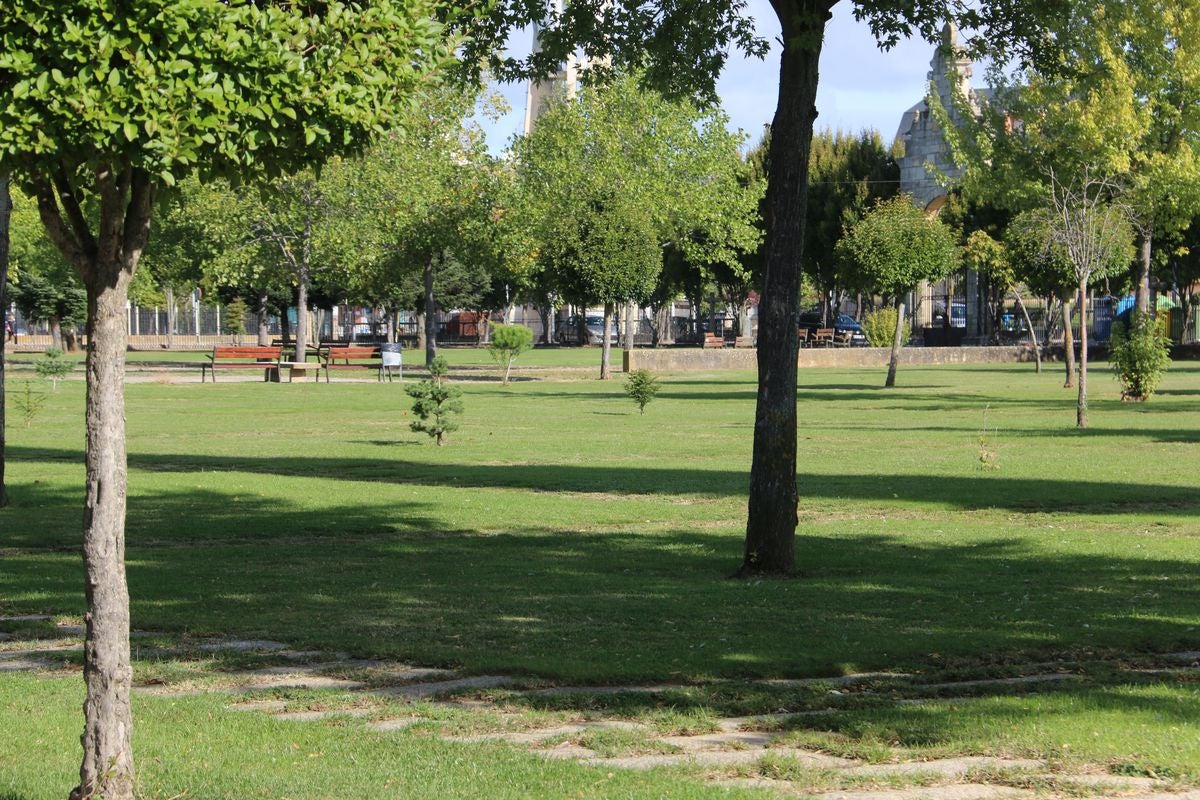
568	330
843	323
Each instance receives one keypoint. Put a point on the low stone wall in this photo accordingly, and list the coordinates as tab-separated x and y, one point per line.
678	359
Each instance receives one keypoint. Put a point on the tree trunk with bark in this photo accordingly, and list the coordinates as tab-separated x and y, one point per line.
897	343
106	261
5	220
169	300
772	516
430	314
1081	420
263	313
1037	350
606	344
1142	293
631	324
302	315
1068	344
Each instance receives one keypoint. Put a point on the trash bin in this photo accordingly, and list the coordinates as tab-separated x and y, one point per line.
390	358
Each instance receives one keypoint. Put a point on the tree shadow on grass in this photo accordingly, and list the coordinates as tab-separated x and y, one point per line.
384	581
969	492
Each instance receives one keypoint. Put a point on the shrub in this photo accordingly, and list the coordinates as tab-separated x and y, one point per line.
1139	356
641	387
879	327
53	367
435	403
234	322
508	342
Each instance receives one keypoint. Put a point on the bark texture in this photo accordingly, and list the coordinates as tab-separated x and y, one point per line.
1142	293
606	344
1068	345
105	260
1081	420
1037	350
430	316
5	219
771	518
897	343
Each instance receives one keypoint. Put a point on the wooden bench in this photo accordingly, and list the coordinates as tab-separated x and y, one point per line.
242	357
823	337
744	341
351	357
711	340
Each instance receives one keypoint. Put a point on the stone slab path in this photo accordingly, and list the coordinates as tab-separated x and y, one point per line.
744	752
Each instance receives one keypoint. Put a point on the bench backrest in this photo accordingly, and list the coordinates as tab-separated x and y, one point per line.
352	351
239	351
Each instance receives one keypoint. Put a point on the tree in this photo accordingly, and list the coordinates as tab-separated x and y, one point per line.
1095	233
508	342
620	148
435	403
5	220
171	88
892	249
46	287
680	48
991	260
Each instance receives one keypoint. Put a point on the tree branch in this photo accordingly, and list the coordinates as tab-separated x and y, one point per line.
70	205
59	232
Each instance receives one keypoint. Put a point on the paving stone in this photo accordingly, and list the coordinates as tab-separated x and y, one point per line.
520	737
316	716
603	690
567	751
1189	655
838	680
6	637
23	664
71	630
292	681
242	645
42	649
721	741
422	690
265	706
705	758
1048	677
948	767
1124	783
730	724
25	618
397	724
1194	794
616	725
962	791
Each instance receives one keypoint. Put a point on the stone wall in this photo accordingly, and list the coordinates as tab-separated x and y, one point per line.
693	359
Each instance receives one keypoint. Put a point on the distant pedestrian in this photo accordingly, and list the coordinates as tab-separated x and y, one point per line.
10	328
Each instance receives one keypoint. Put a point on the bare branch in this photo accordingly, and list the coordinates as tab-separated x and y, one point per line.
59	232
73	211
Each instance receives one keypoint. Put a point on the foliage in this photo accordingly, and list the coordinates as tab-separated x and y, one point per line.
611	255
28	402
879	326
508	342
641	387
895	247
53	367
435	402
233	323
1139	356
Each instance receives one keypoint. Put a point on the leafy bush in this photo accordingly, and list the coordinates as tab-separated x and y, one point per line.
508	342
641	387
879	327
53	367
435	403
1139	356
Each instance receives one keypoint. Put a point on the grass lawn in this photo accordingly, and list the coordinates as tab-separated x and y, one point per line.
561	535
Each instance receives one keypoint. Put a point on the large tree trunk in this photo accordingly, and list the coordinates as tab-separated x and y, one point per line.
897	343
107	768
56	337
169	298
430	314
5	219
1068	344
771	519
302	315
631	324
1142	293
605	344
1081	420
263	312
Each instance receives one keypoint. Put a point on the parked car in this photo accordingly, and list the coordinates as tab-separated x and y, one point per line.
842	323
568	330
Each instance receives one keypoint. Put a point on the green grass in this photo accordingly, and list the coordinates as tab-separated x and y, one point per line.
560	535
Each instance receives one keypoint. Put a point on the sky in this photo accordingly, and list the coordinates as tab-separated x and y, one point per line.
860	87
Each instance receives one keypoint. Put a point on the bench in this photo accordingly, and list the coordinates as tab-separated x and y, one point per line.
744	341
713	341
823	337
242	357
352	357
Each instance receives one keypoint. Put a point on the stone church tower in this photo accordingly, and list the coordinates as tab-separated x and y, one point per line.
564	82
924	144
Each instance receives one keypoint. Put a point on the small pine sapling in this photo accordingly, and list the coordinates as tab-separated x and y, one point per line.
233	324
53	367
28	402
435	402
508	342
989	459
641	387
